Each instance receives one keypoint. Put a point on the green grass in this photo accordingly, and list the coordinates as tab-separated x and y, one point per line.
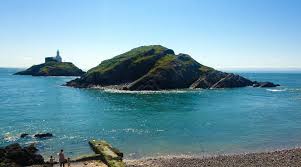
137	55
163	63
205	69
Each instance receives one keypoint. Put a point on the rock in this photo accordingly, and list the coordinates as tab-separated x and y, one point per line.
43	135
232	81
264	84
23	135
2	154
15	155
53	69
88	158
217	79
31	148
112	157
171	72
156	67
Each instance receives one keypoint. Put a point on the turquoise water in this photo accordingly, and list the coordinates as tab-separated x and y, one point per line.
150	124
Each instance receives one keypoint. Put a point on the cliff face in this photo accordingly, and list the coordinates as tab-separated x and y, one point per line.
53	69
156	68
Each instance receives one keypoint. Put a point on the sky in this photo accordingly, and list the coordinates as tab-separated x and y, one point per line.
218	33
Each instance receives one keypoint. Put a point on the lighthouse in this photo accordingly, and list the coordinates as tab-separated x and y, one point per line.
58	57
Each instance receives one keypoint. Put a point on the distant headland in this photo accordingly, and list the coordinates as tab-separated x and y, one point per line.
156	67
53	66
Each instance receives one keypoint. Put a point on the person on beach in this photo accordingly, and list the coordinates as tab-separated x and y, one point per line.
62	158
68	162
51	161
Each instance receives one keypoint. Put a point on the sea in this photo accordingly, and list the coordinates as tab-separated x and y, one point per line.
148	124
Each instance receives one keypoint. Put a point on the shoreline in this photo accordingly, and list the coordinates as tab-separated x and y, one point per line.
213	154
283	157
277	158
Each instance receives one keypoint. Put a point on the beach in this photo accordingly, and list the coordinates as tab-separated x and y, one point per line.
281	158
90	163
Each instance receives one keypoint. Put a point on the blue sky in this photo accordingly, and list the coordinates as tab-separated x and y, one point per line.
217	33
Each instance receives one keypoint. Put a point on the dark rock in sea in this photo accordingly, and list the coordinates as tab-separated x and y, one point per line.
156	68
264	84
15	155
43	135
52	68
23	135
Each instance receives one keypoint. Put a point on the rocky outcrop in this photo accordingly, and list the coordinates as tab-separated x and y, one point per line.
53	69
23	135
111	156
156	68
43	135
14	155
217	79
264	84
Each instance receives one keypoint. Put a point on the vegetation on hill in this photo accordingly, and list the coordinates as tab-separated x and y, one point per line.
53	69
156	67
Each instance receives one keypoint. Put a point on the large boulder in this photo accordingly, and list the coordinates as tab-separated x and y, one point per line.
15	155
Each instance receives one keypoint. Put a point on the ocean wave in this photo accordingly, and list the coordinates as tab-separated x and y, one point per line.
8	137
160	130
133	130
148	92
276	90
297	89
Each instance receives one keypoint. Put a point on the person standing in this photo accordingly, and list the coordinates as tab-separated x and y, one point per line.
51	161
62	158
69	162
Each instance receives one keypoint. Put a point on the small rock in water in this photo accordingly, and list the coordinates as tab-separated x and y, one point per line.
264	84
23	135
43	135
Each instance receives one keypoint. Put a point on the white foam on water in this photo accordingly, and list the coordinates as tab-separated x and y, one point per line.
298	89
276	90
8	137
133	130
160	130
148	92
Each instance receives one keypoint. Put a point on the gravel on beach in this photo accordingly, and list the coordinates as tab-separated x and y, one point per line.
283	158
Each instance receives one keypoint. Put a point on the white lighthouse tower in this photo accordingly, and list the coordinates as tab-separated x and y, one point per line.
58	58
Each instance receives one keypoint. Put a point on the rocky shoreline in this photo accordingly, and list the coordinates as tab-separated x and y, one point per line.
14	155
108	156
281	158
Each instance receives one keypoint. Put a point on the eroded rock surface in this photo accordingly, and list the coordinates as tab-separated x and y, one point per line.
155	67
14	156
